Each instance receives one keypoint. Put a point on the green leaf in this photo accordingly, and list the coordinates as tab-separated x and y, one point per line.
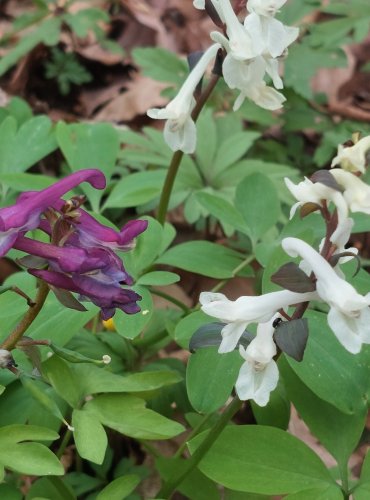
272	461
129	416
331	492
337	431
210	378
327	366
257	200
195	486
50	487
22	148
9	492
158	278
89	146
39	392
136	189
362	492
160	64
304	61
26	182
63	379
232	149
119	488
89	435
131	325
277	411
86	20
205	258
186	327
46	32
222	210
28	458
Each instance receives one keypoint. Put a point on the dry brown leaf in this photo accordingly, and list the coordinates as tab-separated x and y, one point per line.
142	93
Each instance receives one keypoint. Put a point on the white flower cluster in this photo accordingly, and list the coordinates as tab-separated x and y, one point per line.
349	313
253	50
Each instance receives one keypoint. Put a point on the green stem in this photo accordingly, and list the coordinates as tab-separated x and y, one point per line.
235	271
170	487
145	342
64	443
343	471
192	434
177	156
168	297
12	339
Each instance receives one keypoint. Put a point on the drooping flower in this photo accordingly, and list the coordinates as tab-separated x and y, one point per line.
180	129
353	158
316	192
349	314
98	288
25	214
356	192
259	375
240	313
270	37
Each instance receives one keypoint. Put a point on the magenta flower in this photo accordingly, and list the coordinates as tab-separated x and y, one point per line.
25	214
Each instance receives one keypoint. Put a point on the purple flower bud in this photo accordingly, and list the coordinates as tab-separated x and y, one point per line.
25	214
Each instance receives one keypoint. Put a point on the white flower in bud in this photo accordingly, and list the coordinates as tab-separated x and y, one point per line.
106	359
180	130
259	375
356	192
6	358
238	314
353	158
349	314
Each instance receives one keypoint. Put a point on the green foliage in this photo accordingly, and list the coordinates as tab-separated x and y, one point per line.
66	70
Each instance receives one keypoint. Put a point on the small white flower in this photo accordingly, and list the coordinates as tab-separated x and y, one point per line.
259	375
106	359
270	37
180	131
265	7
349	314
353	158
316	192
356	192
240	313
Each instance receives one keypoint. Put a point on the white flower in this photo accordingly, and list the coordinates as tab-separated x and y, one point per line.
353	158
180	130
239	43
270	37
240	313
316	192
199	4
259	375
6	358
265	7
356	192
349	314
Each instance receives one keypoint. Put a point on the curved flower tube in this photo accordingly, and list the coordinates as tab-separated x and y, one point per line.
259	375
349	315
353	158
316	192
240	313
356	192
265	8
25	214
180	130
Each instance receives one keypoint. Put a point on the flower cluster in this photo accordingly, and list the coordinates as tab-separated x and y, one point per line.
80	256
349	313
253	49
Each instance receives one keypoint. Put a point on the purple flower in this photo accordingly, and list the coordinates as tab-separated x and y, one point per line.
106	295
25	214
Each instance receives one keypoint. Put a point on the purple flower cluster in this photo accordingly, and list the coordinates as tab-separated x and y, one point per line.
80	257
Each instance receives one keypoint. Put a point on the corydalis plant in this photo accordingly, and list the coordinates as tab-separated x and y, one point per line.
250	51
80	257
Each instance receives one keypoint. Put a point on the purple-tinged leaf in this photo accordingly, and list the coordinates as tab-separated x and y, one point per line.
210	335
292	278
334	259
308	208
291	337
326	178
